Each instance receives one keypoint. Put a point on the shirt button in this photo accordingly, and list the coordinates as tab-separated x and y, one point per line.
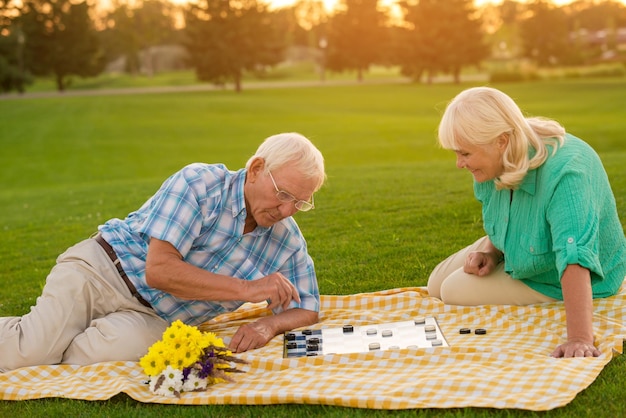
532	249
570	240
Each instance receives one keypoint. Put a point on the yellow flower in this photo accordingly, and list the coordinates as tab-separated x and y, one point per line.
214	380
210	338
175	334
176	359
153	362
183	346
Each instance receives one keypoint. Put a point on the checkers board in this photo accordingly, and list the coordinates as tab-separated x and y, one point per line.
422	332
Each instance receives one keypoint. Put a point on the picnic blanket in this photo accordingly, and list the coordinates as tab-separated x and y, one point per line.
509	367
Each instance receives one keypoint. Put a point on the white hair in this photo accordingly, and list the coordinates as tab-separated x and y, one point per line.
292	148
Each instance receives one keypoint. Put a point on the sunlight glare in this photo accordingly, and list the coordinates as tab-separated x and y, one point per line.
330	4
276	4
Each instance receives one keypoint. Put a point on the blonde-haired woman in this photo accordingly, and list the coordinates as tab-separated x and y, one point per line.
553	231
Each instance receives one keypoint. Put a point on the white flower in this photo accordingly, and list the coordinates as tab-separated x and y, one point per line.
173	375
168	383
194	382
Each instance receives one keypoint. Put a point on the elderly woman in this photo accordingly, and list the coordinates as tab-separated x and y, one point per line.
553	231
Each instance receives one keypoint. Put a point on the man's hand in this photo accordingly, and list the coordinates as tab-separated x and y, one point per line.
249	336
260	332
275	289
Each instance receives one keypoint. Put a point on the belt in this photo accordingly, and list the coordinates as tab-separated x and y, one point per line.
111	253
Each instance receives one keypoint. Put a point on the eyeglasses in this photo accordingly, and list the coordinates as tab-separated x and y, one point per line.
285	197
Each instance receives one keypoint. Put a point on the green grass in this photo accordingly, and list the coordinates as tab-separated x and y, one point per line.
296	71
394	204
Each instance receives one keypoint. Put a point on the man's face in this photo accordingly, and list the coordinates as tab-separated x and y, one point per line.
262	201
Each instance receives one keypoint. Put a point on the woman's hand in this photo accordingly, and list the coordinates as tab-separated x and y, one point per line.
578	300
576	349
481	263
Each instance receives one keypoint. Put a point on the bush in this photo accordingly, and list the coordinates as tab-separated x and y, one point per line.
11	78
512	76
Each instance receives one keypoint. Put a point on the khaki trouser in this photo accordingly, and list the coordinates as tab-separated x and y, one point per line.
453	286
84	315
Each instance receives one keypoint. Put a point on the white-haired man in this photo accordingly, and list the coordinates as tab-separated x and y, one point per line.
206	242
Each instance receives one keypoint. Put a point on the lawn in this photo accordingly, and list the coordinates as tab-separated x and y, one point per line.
394	204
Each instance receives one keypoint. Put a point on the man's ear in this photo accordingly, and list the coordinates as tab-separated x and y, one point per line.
255	169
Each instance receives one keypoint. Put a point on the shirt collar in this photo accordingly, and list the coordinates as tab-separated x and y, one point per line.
238	197
529	183
239	200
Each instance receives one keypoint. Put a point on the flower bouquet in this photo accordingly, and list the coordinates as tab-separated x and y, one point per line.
187	360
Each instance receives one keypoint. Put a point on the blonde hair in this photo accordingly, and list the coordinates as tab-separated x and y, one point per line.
480	115
292	148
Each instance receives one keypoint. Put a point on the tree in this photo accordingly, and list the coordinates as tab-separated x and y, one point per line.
225	38
511	13
13	75
307	22
60	39
310	14
154	24
120	38
131	31
545	35
289	22
445	36
593	15
594	29
356	36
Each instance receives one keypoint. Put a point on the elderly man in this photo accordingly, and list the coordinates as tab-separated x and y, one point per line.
209	240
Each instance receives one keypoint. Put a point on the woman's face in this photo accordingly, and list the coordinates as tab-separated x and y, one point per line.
483	161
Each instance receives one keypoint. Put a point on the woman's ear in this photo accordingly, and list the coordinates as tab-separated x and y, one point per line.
503	141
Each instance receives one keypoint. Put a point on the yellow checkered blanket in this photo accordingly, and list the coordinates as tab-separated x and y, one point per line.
509	367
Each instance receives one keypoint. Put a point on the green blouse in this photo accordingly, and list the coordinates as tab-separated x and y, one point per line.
563	213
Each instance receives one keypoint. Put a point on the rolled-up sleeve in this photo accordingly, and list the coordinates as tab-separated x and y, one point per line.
573	218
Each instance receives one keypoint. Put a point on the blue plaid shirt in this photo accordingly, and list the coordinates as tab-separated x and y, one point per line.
201	211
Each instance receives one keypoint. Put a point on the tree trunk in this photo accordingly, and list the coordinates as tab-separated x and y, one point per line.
59	82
